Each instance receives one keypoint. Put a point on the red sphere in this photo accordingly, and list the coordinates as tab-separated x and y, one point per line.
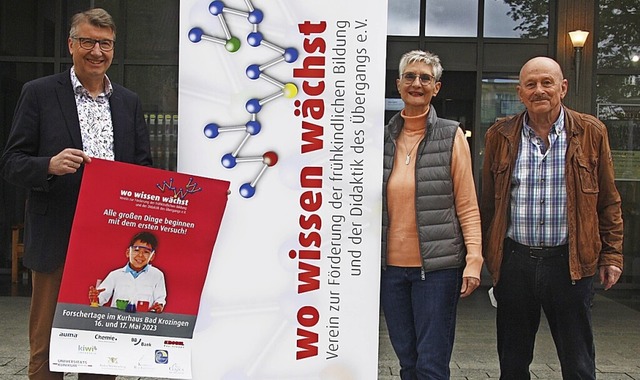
270	158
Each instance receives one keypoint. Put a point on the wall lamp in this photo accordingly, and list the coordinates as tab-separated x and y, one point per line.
578	38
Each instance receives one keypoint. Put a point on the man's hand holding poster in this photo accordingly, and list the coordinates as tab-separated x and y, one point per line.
139	253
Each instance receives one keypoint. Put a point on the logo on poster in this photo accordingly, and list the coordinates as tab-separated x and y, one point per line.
143	363
162	356
173	343
140	342
105	338
87	349
176	368
112	364
71	363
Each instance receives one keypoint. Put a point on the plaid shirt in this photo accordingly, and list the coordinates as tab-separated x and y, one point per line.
538	190
94	115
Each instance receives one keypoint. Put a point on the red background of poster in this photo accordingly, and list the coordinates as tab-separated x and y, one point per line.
98	247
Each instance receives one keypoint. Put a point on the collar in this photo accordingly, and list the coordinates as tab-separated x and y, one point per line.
556	128
79	89
397	122
135	274
415	123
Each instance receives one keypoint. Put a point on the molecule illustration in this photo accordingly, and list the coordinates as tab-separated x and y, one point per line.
253	106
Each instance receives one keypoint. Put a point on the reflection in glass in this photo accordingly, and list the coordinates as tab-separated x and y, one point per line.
403	18
36	40
617	88
619	34
618	107
623	125
146	40
452	18
516	18
159	96
499	99
13	75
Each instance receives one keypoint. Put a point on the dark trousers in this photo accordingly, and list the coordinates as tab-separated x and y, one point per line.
43	306
420	311
528	284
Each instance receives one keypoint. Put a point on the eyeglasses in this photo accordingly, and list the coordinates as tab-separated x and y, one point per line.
425	79
89	43
141	249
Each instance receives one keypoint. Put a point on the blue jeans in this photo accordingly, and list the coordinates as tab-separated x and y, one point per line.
420	310
528	285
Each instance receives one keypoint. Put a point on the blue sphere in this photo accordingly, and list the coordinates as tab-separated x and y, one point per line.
253	127
290	55
247	191
211	130
216	7
253	106
253	71
228	161
255	38
195	34
256	16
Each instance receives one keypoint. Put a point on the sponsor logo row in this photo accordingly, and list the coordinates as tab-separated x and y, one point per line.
136	341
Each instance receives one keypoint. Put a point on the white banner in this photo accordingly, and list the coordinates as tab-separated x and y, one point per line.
285	99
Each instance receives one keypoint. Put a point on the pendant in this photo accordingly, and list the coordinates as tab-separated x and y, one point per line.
406	161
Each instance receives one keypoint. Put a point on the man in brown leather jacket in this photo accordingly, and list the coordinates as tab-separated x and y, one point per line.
551	219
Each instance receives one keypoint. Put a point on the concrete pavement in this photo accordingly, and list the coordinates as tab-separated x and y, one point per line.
616	327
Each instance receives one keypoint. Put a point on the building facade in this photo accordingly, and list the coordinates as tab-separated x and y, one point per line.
482	45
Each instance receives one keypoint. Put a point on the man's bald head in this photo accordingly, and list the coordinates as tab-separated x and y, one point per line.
542	64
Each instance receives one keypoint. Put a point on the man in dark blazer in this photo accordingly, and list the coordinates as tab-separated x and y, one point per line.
60	122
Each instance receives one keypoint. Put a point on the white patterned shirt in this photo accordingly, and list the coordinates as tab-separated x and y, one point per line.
96	126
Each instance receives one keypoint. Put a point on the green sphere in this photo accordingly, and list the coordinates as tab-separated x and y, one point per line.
233	44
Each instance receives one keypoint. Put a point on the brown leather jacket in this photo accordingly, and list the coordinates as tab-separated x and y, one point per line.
593	202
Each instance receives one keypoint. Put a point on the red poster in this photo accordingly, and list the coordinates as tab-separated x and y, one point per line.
139	253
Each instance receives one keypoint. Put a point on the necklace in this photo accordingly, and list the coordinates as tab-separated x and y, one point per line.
404	141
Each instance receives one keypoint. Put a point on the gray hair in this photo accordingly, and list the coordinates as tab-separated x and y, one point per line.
425	57
97	17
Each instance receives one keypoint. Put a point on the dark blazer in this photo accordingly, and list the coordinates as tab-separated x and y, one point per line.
44	124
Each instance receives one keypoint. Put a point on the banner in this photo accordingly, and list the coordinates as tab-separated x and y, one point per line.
139	252
285	99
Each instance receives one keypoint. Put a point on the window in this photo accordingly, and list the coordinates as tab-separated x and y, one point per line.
619	35
516	19
403	18
452	18
499	99
36	40
618	106
459	18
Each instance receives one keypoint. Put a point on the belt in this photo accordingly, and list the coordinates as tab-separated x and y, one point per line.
537	252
